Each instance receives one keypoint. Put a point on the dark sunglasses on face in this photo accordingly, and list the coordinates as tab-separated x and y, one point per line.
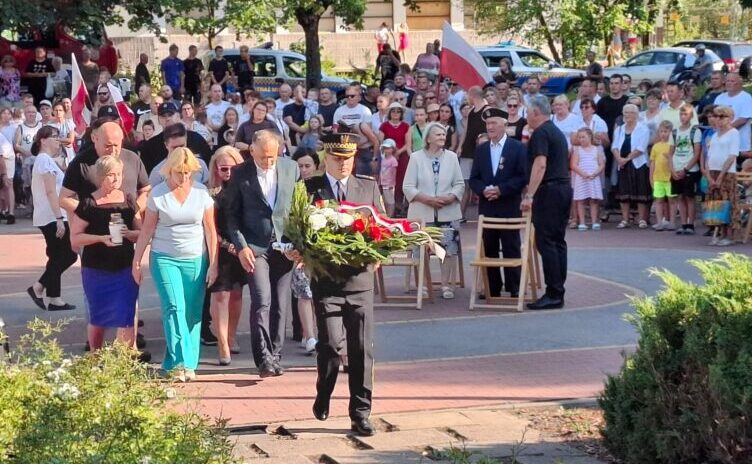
512	106
351	96
224	168
720	115
103	94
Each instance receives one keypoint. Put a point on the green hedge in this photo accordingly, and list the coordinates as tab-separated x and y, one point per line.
102	408
685	395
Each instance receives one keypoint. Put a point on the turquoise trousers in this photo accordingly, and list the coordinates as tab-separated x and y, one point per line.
181	283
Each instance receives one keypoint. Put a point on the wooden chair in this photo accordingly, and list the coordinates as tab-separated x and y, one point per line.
529	277
460	280
741	178
419	266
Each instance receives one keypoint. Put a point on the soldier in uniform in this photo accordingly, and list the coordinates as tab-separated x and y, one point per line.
344	312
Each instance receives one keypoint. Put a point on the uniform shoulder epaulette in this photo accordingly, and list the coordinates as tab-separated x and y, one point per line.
363	176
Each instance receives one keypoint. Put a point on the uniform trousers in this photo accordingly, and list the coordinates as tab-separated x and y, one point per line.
550	216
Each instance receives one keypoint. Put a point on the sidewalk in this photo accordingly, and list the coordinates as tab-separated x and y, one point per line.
419	437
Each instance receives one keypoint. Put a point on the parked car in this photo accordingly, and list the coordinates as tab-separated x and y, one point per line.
526	62
736	55
660	64
272	67
61	41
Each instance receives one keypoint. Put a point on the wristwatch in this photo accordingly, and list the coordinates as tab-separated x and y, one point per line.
528	196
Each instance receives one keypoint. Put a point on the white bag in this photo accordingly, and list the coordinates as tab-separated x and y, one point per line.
50	91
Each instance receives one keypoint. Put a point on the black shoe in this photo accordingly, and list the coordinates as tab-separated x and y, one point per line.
140	341
362	427
321	409
37	300
10	219
208	339
481	296
514	294
266	369
64	307
87	347
546	302
3	216
278	370
144	357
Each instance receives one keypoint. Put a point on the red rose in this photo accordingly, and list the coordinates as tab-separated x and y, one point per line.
359	225
375	232
320	203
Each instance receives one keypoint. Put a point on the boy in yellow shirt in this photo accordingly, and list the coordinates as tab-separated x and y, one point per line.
660	178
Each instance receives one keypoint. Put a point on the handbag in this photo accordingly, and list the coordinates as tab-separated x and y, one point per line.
50	89
716	213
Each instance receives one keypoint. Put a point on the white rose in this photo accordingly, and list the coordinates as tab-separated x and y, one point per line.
318	221
344	220
329	213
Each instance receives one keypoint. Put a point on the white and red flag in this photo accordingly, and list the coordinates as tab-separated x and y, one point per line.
127	118
79	99
460	61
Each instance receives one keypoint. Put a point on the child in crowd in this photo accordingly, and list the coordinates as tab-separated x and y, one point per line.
148	129
686	168
312	138
660	178
388	177
587	164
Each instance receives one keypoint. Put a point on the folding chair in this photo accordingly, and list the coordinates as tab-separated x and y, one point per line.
460	280
741	178
528	277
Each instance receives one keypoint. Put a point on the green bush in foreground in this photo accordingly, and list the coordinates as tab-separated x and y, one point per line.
100	408
685	395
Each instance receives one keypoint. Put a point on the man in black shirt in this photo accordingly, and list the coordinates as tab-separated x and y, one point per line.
193	67
369	101
594	69
142	106
142	72
609	109
36	74
327	107
549	195
400	85
244	70
219	68
294	114
154	150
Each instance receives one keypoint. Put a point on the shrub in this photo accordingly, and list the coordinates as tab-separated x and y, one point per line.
99	408
685	395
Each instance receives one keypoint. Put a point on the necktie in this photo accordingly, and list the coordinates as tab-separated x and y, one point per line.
340	191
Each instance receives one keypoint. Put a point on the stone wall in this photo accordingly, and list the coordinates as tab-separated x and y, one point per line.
347	49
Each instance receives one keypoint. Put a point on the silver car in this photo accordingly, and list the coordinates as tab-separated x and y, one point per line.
659	64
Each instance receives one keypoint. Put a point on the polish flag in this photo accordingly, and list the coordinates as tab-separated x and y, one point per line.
79	98
460	61
127	118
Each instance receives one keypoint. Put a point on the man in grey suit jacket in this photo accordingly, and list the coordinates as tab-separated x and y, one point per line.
258	200
347	305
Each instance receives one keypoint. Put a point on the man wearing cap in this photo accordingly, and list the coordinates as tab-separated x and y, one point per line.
45	109
258	199
594	69
154	150
703	64
344	312
498	176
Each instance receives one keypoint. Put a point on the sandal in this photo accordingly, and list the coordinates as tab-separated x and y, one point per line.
642	224
622	225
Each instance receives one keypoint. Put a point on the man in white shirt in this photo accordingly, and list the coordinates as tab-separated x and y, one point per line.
586	90
215	109
285	98
353	113
741	102
670	113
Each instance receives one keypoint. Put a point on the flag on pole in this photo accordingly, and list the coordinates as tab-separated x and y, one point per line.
460	61
79	99
127	118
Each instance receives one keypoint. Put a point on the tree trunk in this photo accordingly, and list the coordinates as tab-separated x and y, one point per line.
310	24
549	38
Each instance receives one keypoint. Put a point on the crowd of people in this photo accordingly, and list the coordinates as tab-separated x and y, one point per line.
206	179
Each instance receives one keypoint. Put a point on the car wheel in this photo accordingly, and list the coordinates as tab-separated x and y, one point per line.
744	68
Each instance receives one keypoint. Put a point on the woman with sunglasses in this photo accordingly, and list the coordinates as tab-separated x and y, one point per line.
227	291
720	171
515	122
51	219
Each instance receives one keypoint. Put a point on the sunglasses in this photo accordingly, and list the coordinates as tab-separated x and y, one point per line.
103	94
224	168
720	115
351	96
513	106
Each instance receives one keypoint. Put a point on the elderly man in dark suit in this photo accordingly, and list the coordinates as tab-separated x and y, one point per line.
344	312
498	176
258	199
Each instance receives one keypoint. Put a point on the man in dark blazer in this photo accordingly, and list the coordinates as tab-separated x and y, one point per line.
498	176
344	312
258	198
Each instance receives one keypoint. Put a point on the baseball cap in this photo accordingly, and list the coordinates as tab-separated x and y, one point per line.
433	107
700	47
45	102
167	108
388	143
108	111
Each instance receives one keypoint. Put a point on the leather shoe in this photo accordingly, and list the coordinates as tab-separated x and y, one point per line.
362	427
266	369
37	300
546	302
278	370
63	307
321	409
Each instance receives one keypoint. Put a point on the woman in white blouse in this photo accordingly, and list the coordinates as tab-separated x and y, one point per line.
434	186
630	150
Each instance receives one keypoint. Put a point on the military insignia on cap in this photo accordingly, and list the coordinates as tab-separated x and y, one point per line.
343	144
493	113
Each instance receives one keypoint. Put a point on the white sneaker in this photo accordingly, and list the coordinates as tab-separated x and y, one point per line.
725	242
310	345
714	241
658	226
668	226
447	293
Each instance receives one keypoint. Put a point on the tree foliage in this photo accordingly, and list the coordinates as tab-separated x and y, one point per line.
567	27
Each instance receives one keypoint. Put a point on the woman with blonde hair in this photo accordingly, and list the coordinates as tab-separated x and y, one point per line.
180	225
111	292
227	291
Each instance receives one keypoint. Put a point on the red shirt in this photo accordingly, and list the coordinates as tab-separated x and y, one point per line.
398	134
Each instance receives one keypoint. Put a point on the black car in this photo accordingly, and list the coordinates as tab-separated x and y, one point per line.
736	55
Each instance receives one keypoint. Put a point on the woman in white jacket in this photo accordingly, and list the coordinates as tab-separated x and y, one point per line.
630	150
434	186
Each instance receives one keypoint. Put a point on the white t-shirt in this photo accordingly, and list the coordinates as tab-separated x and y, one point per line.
597	124
568	126
215	112
9	131
7	155
352	116
721	147
43	214
684	144
280	107
65	128
576	105
742	106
